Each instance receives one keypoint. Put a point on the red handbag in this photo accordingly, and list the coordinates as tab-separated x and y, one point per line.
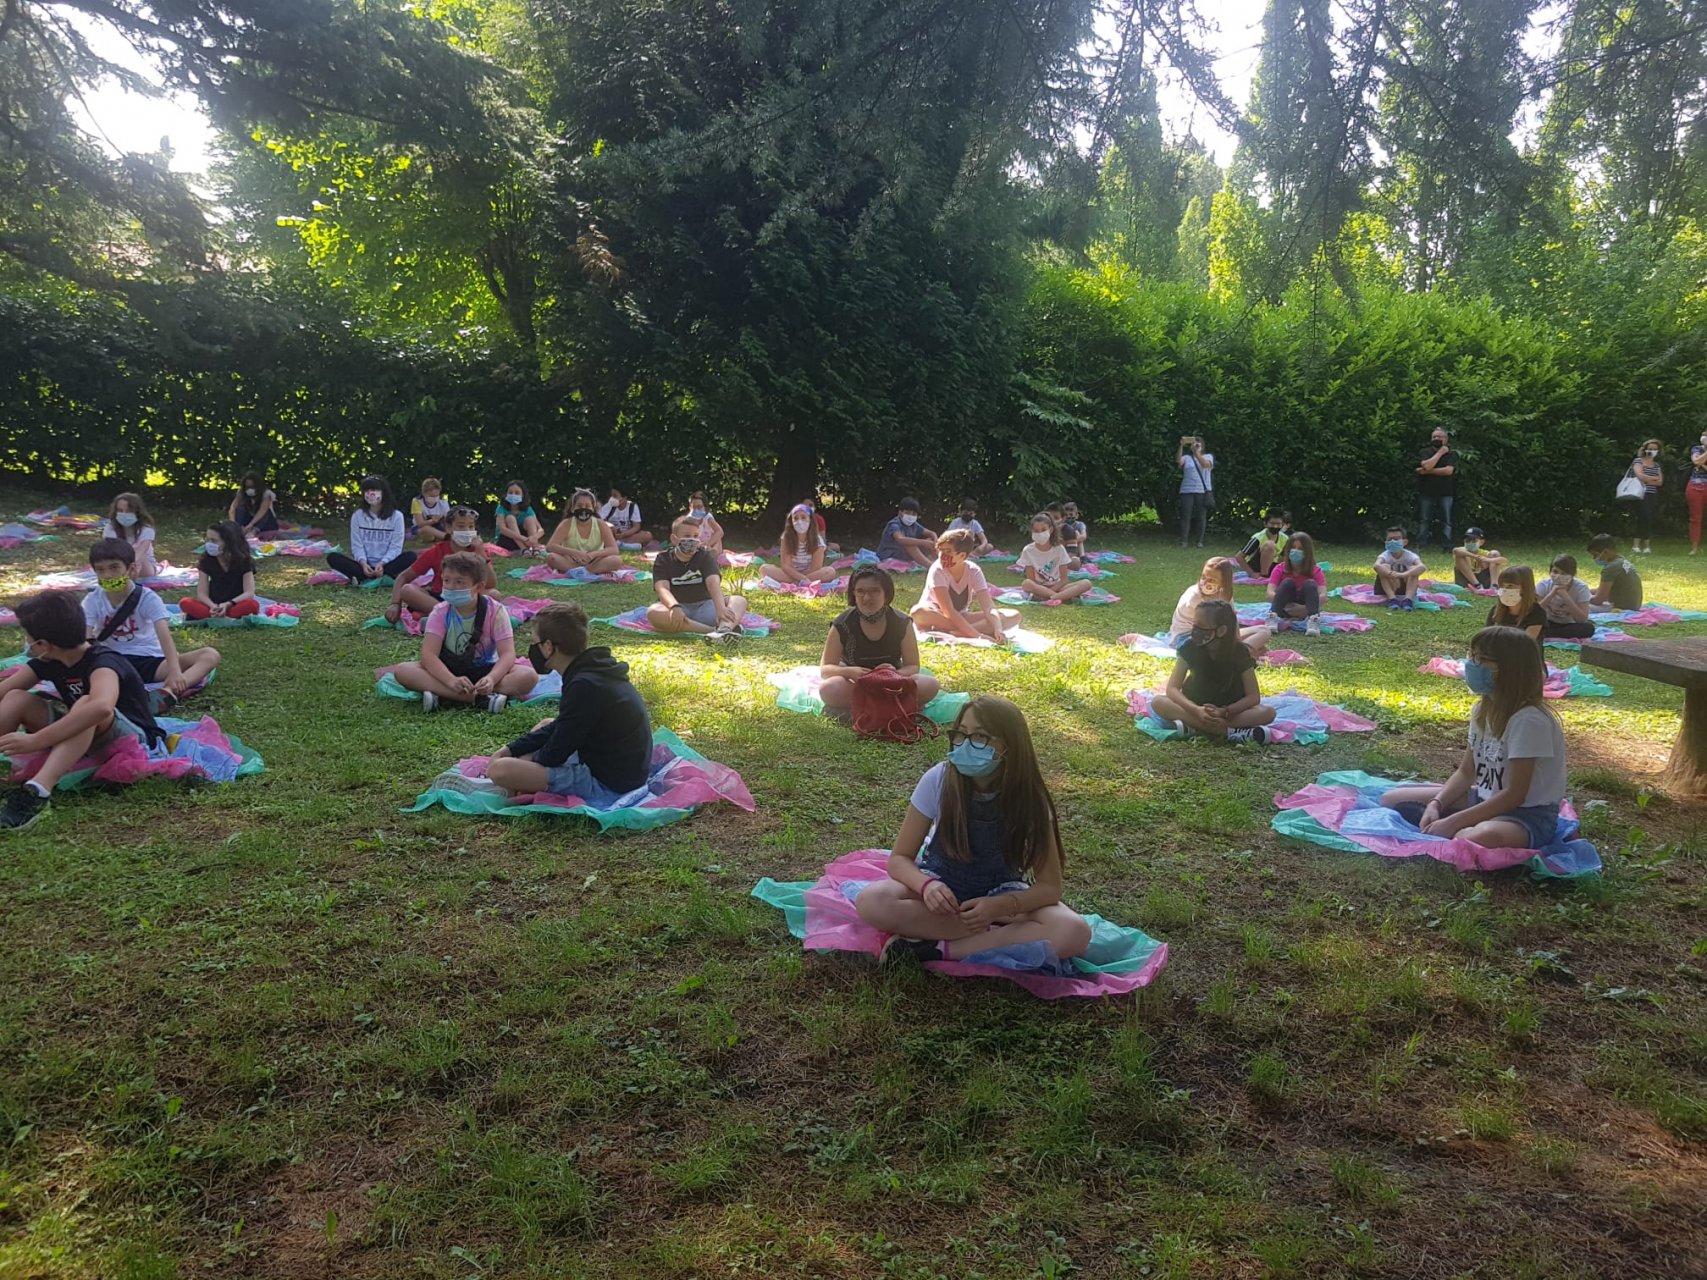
886	706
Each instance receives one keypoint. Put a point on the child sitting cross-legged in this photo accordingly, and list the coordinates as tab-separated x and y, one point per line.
977	863
468	647
956	597
1398	570
1213	690
904	538
599	746
1214	582
101	698
1475	564
130	619
1046	563
225	576
1506	791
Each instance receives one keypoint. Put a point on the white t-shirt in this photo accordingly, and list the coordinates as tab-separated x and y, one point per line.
927	796
972	526
1194	477
1554	601
1402	563
143	545
961	594
135	636
1530	734
1051	563
624	516
1185	612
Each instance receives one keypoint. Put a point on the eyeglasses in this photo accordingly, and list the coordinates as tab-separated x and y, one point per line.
956	738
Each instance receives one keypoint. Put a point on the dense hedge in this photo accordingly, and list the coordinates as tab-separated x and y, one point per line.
1311	404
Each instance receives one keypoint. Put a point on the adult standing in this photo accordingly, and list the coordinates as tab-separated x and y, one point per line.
1437	486
1696	492
1196	488
1645	466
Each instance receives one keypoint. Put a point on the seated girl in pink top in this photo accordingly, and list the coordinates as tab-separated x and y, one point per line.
1296	587
956	598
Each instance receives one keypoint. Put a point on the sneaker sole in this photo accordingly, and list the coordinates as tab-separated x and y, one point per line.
31	821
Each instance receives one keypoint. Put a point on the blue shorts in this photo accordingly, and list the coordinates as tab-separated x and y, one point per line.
1541	821
119	728
572	778
703	612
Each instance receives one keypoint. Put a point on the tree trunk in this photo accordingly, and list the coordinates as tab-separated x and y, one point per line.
796	474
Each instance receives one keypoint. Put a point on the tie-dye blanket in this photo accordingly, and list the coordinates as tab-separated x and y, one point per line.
165	578
797	690
1343	810
1561	682
1297	719
1013	596
681	781
579	577
821	914
195	749
1255	614
753	624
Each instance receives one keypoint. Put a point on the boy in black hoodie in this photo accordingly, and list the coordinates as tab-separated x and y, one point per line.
599	747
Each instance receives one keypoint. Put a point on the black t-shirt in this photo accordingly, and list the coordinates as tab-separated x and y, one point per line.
223	585
1439	486
1216	683
1537	617
860	650
686	577
71	683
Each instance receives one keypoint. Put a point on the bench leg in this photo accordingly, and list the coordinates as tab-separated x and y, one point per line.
1686	772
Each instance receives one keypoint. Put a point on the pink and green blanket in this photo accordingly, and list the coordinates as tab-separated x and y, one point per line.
806	590
549	688
1014	596
821	914
753	624
681	781
1160	647
1020	640
1561	682
193	749
1256	613
273	614
1649	615
1297	719
520	608
578	577
64	518
1425	599
1342	810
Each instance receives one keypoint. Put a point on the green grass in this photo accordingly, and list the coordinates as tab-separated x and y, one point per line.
281	1028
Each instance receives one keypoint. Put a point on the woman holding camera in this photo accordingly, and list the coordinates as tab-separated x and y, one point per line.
1196	488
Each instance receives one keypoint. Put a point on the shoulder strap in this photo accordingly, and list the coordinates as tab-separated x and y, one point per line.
121	615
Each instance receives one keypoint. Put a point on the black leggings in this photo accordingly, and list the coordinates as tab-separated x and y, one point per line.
1646	510
1567	630
348	566
1291	592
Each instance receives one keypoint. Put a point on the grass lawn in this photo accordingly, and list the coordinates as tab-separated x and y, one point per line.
281	1029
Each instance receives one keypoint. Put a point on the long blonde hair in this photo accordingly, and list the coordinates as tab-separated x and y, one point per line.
1221	569
1519	679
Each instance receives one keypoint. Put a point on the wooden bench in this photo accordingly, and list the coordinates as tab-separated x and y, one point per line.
1682	663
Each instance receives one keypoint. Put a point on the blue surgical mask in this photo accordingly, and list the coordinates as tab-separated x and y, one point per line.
126	518
1394	547
213	548
1478	677
1295	557
457	597
973	761
514	499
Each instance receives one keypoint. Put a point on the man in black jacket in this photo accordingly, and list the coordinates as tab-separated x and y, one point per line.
599	746
1437	486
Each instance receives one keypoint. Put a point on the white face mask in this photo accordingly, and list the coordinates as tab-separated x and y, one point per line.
1040	537
1510	597
907	517
464	537
801	526
213	548
249	492
373	496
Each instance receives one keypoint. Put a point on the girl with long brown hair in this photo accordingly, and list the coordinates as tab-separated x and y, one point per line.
977	863
1517	605
1296	587
1506	791
802	549
128	521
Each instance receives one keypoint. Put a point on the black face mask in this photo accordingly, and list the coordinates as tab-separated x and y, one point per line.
1201	636
583	514
536	656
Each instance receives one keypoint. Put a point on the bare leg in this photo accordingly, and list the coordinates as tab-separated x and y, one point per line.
1255	639
409	596
1163	707
413	676
198	665
23	712
520	682
1065	930
824	574
920	557
674	621
735	609
928	689
776	573
1398	796
837	692
1497	833
1072	590
606	562
1387	584
1250	718
1037	589
518	776
927	619
892	907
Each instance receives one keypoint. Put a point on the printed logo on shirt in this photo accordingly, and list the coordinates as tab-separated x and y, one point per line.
1490	757
691	577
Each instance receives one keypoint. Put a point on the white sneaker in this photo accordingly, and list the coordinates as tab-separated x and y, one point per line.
1313	626
1256	734
1274	624
496	702
725	637
429	702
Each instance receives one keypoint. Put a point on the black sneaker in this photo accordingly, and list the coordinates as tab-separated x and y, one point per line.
22	809
1256	734
899	950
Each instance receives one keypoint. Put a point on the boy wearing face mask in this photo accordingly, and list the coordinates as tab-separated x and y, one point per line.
468	645
1565	599
690	595
1265	545
1397	571
904	538
100	699
417	586
129	619
968	520
1476	564
599	745
1620	585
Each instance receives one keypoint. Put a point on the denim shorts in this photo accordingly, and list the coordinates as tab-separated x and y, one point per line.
119	728
572	778
1540	820
703	612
